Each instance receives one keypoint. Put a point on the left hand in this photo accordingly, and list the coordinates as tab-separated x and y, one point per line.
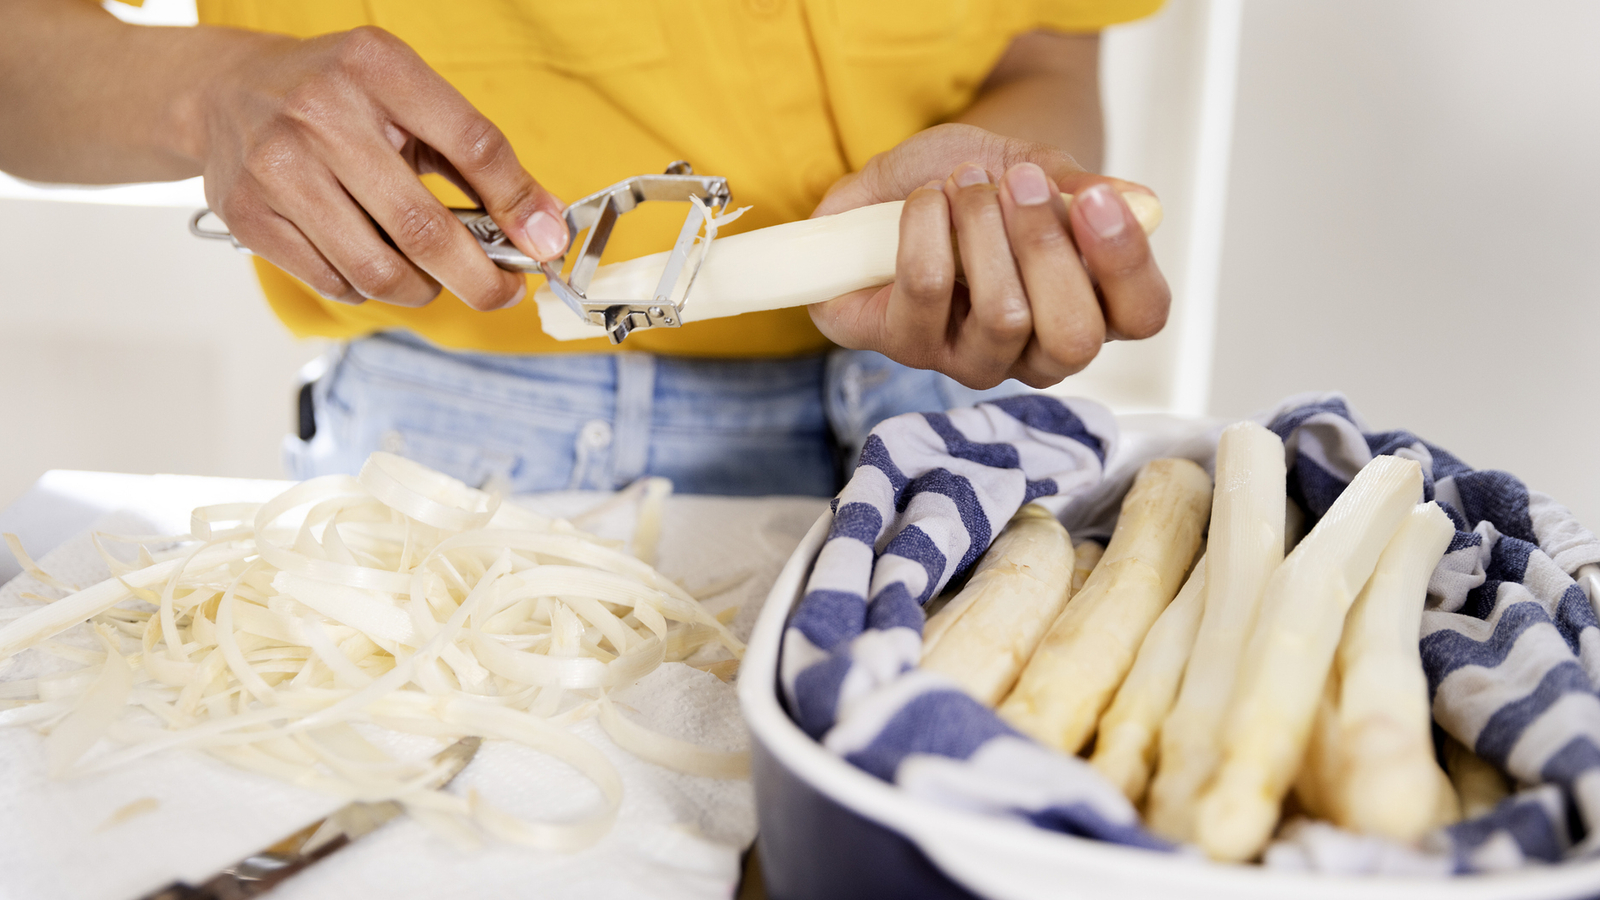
1045	285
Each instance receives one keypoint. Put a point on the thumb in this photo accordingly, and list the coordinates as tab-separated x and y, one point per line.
849	192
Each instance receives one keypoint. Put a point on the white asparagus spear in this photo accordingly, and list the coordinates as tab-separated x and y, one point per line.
1089	648
1388	781
1589	579
1326	757
1245	545
1125	747
982	637
1290	653
1089	554
1478	783
1294	525
1370	763
793	264
1323	754
1447	811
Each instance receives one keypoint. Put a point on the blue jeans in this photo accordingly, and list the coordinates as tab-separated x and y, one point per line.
598	422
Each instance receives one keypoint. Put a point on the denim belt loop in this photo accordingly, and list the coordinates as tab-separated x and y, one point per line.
590	456
636	388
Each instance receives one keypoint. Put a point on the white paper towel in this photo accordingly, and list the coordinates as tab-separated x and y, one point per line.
677	836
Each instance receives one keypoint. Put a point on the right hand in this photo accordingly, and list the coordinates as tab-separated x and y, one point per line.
1044	284
307	143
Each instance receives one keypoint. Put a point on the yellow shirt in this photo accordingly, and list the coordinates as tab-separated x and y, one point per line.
780	96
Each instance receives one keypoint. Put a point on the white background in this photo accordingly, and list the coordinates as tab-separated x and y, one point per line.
1406	216
1411	220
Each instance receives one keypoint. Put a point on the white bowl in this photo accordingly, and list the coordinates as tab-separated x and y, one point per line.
829	831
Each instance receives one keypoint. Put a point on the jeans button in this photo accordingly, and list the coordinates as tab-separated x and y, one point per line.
596	433
392	442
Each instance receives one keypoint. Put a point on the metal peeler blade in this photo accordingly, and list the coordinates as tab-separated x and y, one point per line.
597	215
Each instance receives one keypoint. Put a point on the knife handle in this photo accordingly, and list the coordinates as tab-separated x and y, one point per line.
231	885
257	874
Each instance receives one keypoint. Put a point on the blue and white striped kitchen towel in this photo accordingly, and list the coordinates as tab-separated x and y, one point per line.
930	493
1510	641
1511	650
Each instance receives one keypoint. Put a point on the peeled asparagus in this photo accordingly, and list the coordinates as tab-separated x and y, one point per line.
1245	545
1370	765
982	637
1125	748
1479	785
1089	554
1589	579
793	264
1447	806
1327	756
1323	754
1290	653
1388	782
1089	648
1294	526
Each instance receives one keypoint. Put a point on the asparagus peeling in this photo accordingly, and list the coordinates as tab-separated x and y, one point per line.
401	598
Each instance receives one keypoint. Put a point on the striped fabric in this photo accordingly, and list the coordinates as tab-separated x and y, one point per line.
1510	642
931	491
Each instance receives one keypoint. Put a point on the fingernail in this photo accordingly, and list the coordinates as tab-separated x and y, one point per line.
349	299
548	234
1102	211
933	186
1028	185
968	174
517	297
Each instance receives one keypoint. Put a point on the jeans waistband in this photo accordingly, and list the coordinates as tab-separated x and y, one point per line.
685	373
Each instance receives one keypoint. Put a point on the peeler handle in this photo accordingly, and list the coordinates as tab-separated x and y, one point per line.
490	238
197	228
593	216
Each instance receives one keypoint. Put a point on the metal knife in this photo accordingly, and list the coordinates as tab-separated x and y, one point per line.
264	870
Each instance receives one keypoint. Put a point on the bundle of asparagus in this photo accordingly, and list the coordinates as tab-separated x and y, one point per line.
1210	673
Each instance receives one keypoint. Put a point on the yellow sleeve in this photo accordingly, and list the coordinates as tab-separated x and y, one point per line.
1090	15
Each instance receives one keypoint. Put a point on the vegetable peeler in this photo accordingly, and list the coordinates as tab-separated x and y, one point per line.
597	214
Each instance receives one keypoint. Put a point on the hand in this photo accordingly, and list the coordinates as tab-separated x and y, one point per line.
1045	285
308	143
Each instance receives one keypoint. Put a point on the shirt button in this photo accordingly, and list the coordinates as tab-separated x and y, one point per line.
764	9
